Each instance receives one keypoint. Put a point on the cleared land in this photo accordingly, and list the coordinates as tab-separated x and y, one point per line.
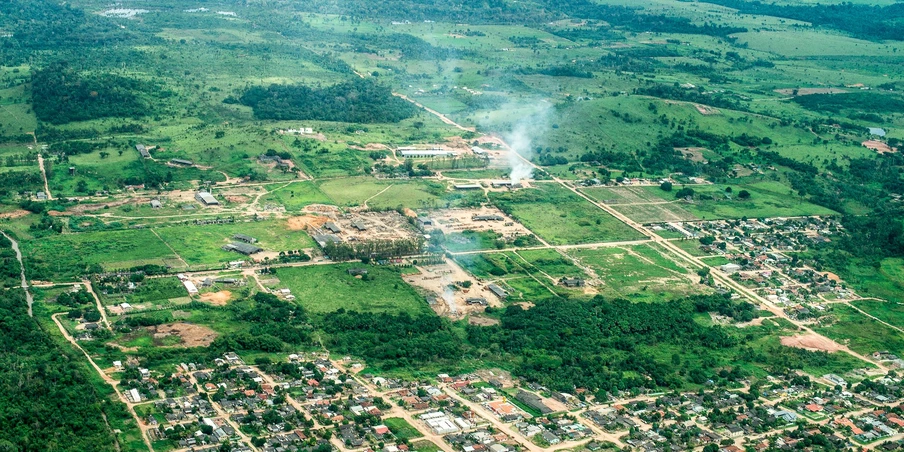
638	273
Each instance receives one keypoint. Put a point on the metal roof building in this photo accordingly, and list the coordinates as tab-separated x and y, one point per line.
242	248
207	199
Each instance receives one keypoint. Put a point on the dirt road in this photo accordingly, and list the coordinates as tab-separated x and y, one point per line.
28	297
113	383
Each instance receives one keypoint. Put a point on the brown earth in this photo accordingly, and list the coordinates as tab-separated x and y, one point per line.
808	91
239	199
18	213
811	342
706	110
692	154
217	298
305	221
878	146
191	335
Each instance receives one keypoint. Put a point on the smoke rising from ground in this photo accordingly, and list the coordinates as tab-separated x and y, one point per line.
520	139
448	296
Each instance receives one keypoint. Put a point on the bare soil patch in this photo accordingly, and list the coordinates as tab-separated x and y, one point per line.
18	213
692	154
305	221
808	91
878	146
500	375
237	199
706	110
371	147
217	298
191	335
811	342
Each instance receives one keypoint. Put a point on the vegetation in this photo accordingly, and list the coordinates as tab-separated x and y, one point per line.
48	401
358	100
562	217
60	95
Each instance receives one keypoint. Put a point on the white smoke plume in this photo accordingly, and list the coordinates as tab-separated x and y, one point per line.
520	140
448	296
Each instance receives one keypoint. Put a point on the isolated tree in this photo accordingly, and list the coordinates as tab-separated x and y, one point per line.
685	192
666	186
743	194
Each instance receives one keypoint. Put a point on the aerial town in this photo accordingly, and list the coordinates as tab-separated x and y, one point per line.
475	226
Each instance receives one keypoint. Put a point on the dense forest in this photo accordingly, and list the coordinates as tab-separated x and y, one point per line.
863	21
358	100
46	400
60	95
836	103
38	25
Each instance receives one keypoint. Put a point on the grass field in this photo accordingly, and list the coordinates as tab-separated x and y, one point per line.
551	263
767	199
638	273
889	312
562	217
470	241
68	255
201	244
295	196
425	446
886	282
326	288
401	428
862	334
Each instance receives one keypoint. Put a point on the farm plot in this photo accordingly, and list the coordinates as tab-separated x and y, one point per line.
530	275
326	288
562	217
